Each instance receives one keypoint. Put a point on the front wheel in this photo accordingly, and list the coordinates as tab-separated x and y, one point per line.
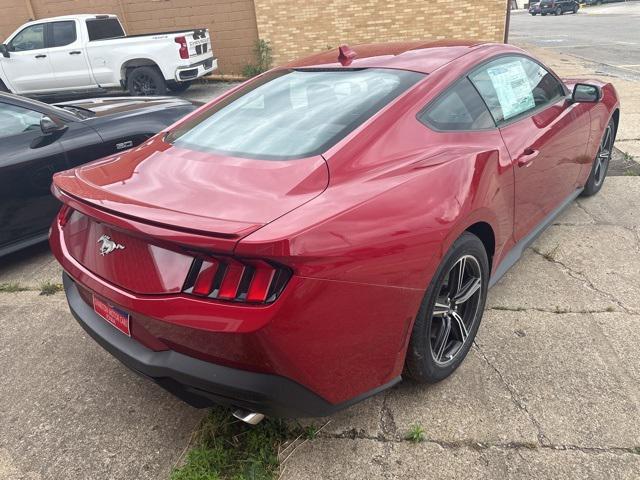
601	162
543	14
558	11
450	313
145	81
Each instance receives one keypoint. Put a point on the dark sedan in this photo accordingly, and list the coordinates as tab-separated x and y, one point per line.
38	140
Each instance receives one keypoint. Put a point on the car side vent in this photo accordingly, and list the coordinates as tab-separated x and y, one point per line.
238	280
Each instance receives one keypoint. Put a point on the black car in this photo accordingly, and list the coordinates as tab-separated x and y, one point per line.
557	7
37	140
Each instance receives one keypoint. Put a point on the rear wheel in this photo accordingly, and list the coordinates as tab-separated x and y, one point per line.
178	87
601	162
450	312
575	9
543	14
144	81
558	11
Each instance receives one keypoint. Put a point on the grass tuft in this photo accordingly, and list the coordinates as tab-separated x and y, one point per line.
48	288
227	449
11	287
416	434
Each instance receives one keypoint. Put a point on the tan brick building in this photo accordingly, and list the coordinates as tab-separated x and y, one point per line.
293	27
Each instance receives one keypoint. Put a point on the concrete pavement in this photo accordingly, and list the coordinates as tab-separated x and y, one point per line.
571	63
551	388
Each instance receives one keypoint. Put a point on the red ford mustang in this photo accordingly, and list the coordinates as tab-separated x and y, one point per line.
301	242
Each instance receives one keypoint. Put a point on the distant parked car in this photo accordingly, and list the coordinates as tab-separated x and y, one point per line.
600	2
92	52
38	140
557	7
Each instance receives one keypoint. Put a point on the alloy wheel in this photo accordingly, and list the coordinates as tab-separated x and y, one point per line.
455	312
603	157
144	85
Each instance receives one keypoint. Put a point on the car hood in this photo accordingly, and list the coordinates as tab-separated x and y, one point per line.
101	107
207	193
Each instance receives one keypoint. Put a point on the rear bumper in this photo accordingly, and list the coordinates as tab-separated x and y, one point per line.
202	384
196	70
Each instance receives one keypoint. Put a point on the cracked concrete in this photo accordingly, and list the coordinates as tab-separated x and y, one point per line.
550	390
551	387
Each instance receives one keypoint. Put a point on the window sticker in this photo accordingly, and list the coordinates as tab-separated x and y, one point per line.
512	87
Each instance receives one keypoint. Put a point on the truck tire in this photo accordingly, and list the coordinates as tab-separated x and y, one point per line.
178	87
144	81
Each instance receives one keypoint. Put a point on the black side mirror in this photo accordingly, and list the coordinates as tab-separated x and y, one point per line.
4	50
49	126
583	92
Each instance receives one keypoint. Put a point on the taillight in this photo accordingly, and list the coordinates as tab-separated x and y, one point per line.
64	214
184	50
238	280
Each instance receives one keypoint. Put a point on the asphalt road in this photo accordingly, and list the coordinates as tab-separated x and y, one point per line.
608	35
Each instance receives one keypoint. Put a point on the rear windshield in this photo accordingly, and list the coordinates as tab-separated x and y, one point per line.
103	28
293	113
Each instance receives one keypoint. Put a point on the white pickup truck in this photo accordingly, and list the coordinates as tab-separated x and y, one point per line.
88	52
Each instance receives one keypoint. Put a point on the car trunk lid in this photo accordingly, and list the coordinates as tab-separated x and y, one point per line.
204	193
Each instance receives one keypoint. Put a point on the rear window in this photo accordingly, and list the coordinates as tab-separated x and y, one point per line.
103	28
293	113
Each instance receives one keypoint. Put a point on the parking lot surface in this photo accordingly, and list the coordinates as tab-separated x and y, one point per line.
550	390
608	35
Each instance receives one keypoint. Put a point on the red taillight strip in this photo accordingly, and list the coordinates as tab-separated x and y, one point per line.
238	280
204	281
231	281
260	282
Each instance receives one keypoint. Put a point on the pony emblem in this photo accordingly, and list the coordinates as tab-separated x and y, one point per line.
108	245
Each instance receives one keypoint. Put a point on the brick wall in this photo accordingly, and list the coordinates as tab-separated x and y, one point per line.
231	23
294	27
300	27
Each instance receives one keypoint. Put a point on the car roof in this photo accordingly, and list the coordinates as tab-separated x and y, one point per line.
419	56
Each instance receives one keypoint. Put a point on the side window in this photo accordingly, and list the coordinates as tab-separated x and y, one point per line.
31	38
460	108
15	120
513	86
63	33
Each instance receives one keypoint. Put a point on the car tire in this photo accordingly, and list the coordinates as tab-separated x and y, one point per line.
439	343
533	14
601	162
558	11
178	87
543	14
146	81
575	9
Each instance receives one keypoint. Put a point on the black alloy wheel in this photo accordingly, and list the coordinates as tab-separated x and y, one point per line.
146	81
450	313
601	162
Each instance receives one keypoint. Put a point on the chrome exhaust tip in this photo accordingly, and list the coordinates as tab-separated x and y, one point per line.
252	418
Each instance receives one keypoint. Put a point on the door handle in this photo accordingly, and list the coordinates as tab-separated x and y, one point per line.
527	157
41	56
75	52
